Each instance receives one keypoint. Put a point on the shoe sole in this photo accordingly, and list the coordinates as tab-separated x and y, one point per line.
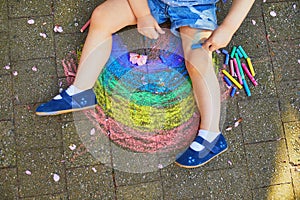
190	167
63	111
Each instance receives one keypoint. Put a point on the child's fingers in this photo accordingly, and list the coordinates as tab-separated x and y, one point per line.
149	32
159	29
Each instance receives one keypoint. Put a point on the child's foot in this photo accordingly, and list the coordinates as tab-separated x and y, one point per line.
65	103
201	151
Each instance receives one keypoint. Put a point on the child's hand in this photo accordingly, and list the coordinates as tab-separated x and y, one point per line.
218	39
149	27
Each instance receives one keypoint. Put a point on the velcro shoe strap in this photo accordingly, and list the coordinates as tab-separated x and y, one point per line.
211	146
67	98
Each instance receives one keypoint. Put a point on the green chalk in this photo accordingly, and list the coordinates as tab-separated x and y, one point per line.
243	52
233	51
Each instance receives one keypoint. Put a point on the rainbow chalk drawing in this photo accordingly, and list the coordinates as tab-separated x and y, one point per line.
144	111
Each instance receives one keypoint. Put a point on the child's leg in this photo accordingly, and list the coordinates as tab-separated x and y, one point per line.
205	84
107	18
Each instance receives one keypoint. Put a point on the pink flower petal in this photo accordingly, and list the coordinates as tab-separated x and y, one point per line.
30	21
56	177
273	13
28	172
94	169
93	131
34	68
58	29
7	67
72	147
15	73
44	35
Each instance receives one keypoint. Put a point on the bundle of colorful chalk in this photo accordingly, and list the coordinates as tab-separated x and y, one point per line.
236	78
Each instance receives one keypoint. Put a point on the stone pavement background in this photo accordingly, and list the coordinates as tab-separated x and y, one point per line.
264	150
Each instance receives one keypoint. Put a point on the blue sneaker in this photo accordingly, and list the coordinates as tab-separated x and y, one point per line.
192	159
81	101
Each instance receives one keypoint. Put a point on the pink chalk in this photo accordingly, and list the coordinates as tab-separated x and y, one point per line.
237	71
249	74
231	67
85	26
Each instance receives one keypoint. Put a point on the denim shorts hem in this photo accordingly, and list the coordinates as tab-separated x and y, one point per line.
202	26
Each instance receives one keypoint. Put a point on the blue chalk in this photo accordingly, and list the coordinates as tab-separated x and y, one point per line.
227	59
232	92
239	53
246	87
196	46
224	51
228	82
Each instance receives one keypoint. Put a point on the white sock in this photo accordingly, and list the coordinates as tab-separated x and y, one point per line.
208	135
70	91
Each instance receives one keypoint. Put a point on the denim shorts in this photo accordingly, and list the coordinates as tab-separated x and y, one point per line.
199	16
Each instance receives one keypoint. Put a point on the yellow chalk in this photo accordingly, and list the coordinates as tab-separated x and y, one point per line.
250	66
232	79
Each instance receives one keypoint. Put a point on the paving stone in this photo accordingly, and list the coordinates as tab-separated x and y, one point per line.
25	38
4	43
289	101
7	145
292	134
3	10
132	162
265	78
23	8
125	178
46	131
182	183
76	153
42	164
72	15
296	181
146	191
90	182
35	86
276	192
49	197
6	106
252	38
66	46
228	184
268	164
284	25
223	9
285	61
8	183
260	120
